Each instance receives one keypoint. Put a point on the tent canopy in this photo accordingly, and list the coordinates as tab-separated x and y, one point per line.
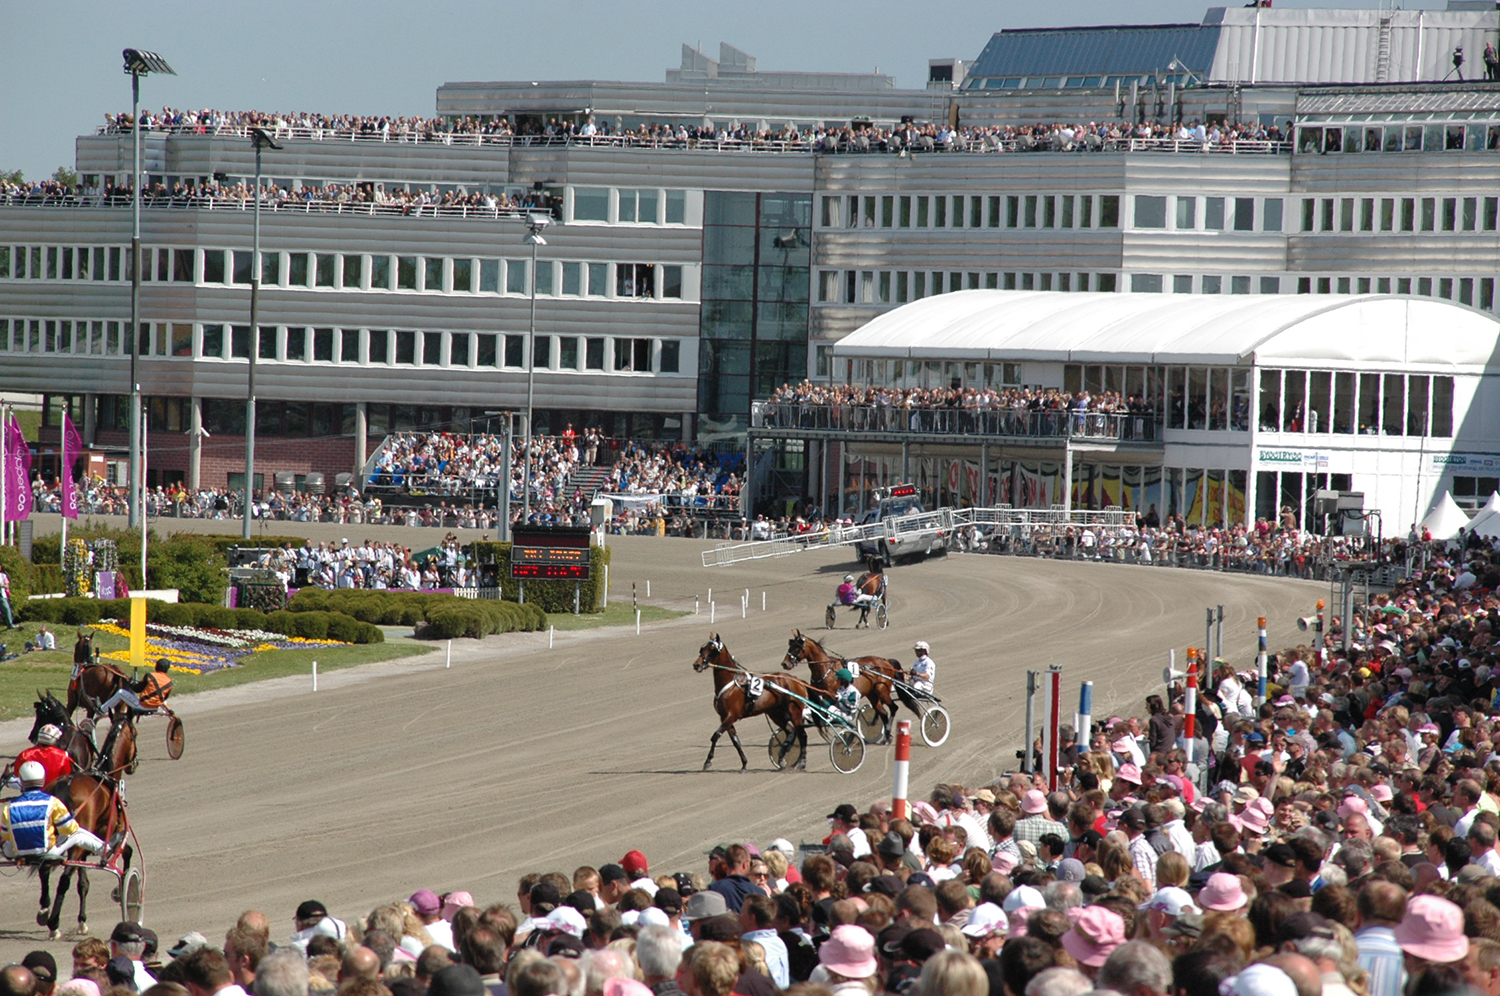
1445	519
1364	331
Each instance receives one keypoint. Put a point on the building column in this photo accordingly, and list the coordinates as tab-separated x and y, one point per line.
1252	498
195	442
823	453
361	435
748	488
905	461
843	475
90	418
985	498
1067	502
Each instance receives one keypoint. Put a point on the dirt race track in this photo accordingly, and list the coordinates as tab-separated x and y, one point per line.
407	775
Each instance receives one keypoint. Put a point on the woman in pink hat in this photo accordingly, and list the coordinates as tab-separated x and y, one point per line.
1094	936
1224	893
848	959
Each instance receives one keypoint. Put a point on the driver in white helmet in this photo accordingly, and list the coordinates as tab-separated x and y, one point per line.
54	760
35	824
923	669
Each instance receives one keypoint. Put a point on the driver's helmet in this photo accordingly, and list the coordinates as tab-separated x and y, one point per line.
32	773
48	735
922	647
848	578
844	674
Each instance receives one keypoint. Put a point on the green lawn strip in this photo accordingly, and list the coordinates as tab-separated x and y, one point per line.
20	679
618	614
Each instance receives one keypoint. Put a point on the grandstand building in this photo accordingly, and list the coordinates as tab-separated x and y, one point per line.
688	276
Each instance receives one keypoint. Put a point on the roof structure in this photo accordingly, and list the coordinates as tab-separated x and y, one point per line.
1130	49
1445	519
1347	331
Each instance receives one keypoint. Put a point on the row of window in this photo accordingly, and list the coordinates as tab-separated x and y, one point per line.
347	271
901	286
971	211
1429	136
629	206
362	347
1400	214
1320	401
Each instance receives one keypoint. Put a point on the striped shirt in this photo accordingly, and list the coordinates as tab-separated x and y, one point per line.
1144	857
31	822
1380	956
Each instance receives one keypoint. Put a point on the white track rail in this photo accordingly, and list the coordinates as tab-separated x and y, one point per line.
919	524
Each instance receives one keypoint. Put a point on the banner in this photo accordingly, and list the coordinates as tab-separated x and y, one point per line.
18	497
72	445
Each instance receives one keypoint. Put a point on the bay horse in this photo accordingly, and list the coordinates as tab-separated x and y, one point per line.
871	583
91	682
738	695
119	748
875	679
96	803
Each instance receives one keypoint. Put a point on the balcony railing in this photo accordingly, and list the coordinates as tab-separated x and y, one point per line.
1124	427
197	202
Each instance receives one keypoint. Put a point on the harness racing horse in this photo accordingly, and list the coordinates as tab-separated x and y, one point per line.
738	695
92	682
871	583
95	802
119	744
875	678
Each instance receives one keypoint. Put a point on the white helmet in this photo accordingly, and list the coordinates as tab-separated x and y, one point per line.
32	773
48	735
849	578
922	646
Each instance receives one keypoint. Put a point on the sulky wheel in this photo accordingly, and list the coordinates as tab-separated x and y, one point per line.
847	751
830	617
779	739
132	895
934	725
176	738
882	616
870	725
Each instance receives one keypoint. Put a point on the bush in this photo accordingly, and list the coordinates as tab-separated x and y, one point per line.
22	575
552	596
462	616
191	564
173	614
79	611
316	625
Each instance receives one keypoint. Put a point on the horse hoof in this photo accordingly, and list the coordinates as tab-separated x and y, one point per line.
41	917
706	764
54	934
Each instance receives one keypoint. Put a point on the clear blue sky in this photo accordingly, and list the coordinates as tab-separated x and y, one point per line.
60	64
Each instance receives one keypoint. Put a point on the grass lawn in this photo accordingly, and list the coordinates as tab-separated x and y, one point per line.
617	614
21	678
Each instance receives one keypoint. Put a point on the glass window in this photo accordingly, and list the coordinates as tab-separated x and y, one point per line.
676	207
598	279
1150	212
463	275
380	346
239	342
213	341
922	211
270	267
327	264
406	273
241	267
1244	214
1109	211
572	279
594	354
296	344
545	269
380	272
489	276
353	270
671	281
1442	407
1417	388
1218	398
406	347
487	352
266	346
458	349
634	279
671	355
567	352
1319	400
1187	212
432	275
1294	412
590	203
1145	283
646	206
515	277
322	345
432	349
515	350
296	270
349	346
1213	214
213	266
1393	404
541	352
626	210
1197	397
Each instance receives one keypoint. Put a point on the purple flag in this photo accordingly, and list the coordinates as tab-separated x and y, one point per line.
18	474
72	445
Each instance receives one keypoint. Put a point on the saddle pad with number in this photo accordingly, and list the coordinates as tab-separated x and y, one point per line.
853	667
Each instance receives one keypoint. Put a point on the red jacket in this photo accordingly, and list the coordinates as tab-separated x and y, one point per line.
54	760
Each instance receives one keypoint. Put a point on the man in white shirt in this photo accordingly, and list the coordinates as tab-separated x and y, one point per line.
1466	798
845	820
429	909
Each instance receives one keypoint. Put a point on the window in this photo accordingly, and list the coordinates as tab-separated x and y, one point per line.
676	207
515	277
1187	212
266	343
458	349
380	272
671	355
1150	212
406	273
567	352
1213	284
241	267
545	273
326	272
406	348
213	341
213	266
322	345
487	353
1244	214
541	352
349	346
432	281
572	279
489	276
296	271
671	281
239	342
1213	214
634	279
353	271
1109	211
593	354
432	349
515	350
1270	285
1147	283
598	279
590	203
270	268
296	344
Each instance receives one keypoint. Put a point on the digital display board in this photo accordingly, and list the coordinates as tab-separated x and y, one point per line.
554	553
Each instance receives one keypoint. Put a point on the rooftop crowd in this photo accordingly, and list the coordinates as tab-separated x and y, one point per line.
1337	839
906	137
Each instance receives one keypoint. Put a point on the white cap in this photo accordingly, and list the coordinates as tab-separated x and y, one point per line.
783	845
32	773
922	645
1024	896
984	920
568	919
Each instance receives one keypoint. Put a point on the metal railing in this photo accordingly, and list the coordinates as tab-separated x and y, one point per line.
840	144
292	205
1123	427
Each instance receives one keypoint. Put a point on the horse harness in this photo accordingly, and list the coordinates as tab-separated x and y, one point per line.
753	684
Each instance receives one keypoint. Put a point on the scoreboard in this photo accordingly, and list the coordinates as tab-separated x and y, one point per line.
550	553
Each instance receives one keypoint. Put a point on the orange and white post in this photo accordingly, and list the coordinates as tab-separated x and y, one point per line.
903	765
1190	703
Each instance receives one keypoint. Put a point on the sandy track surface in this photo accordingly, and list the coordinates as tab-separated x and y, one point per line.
409	774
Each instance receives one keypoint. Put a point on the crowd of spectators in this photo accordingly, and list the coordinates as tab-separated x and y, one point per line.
906	137
1332	834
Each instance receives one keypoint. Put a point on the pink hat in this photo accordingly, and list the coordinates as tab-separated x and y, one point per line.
925	811
1285	700
1353	804
1429	728
1263	805
425	902
1004	862
1433	930
1251	819
1382	792
1033	802
1223	892
1097	932
1199	804
1121	746
455	901
625	987
850	952
1129	773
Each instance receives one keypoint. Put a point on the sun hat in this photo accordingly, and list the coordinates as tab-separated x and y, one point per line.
850	952
1353	804
1259	980
1070	870
1122	745
984	920
1129	773
1034	802
1094	936
1433	930
1170	900
1223	892
1251	819
455	901
1004	862
702	905
1382	792
1189	925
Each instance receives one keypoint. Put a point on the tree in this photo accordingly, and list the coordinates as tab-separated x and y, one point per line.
12	176
67	177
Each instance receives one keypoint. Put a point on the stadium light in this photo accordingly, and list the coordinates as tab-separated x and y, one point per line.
535	225
261	141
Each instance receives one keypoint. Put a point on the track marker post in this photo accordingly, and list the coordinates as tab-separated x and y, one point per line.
315	676
695	605
710	613
637	622
1260	661
1052	699
762	600
551	632
1190	703
903	765
1085	720
648	587
448	661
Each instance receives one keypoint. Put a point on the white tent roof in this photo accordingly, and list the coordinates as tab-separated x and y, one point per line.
1486	521
1445	519
1365	331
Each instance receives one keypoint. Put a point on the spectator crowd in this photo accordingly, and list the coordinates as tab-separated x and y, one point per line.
1336	837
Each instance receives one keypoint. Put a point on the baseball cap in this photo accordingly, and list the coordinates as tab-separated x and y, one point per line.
846	812
1299	926
425	902
1025	896
1071	870
311	910
1170	900
612	873
922	943
187	944
455	901
668	901
984	920
1259	980
634	862
889	939
1281	855
42	965
456	980
127	932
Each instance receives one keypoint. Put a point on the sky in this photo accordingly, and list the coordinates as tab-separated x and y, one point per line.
60	68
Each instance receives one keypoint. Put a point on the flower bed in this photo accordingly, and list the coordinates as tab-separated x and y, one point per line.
198	650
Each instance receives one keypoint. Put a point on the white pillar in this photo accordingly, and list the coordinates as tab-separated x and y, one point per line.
195	442
361	434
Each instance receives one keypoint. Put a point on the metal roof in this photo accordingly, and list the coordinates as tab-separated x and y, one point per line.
1099	51
1346	331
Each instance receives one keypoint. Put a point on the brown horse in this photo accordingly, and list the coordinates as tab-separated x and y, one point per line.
875	677
97	805
91	682
75	742
738	694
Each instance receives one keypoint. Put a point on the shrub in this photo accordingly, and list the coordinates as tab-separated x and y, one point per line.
79	611
22	575
173	614
552	596
463	617
263	596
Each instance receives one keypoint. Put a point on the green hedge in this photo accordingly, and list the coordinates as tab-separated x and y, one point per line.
552	596
22	575
432	615
88	611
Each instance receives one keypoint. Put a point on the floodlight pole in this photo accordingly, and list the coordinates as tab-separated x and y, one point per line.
260	140
534	224
137	479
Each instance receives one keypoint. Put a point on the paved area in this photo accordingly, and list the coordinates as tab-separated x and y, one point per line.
405	775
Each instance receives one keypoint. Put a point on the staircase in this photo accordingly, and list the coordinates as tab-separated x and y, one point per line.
589	480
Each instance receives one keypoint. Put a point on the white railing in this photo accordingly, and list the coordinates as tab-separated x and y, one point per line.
193	202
